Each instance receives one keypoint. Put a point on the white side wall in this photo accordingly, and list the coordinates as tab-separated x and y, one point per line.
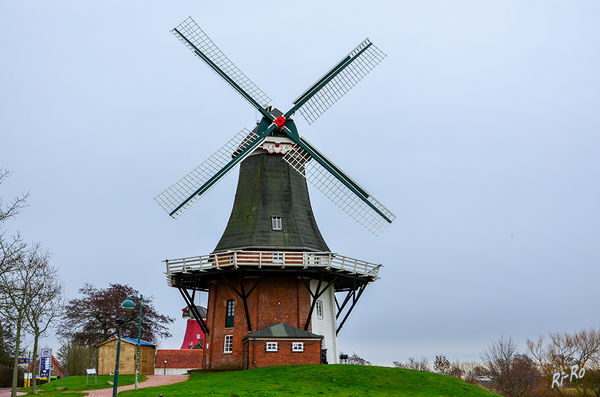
171	371
326	326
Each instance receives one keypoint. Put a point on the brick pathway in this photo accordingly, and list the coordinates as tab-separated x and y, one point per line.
151	381
5	392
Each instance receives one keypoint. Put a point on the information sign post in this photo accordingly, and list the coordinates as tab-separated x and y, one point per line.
45	363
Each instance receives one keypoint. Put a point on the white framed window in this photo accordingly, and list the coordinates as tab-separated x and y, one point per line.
271	346
313	259
198	336
297	346
230	313
277	257
276	222
228	345
319	309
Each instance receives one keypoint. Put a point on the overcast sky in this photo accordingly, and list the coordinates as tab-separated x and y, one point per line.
480	131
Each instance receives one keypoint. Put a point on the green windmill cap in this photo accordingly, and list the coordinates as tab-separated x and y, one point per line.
268	187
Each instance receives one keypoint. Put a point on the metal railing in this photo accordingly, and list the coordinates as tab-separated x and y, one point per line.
280	259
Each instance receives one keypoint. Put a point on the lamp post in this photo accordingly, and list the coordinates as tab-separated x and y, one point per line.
120	321
129	304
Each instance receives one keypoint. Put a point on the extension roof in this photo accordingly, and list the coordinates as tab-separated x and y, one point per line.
282	330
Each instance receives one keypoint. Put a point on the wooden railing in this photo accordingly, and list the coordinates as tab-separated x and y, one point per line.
281	259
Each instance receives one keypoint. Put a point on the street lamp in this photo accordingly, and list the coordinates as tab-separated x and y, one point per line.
120	321
129	304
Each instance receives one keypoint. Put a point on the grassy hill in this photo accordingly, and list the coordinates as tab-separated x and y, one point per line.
317	380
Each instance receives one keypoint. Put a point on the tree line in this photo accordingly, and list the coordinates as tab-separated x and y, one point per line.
32	302
549	366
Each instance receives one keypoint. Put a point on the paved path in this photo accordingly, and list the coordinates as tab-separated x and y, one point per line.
151	381
5	392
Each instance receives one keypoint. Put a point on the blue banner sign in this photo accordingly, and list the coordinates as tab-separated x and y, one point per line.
45	363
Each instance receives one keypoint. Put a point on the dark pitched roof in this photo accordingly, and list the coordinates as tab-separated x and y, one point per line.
282	330
268	187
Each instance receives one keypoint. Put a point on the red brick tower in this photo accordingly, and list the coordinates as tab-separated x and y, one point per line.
271	266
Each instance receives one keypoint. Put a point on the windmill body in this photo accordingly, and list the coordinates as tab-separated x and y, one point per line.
276	293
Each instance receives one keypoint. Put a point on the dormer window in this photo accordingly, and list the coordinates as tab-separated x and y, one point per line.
276	222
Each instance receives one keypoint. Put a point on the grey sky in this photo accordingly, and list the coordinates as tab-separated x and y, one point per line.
480	131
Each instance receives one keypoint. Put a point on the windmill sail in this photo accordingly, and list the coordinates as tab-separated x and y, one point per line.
338	81
304	157
359	204
185	192
193	37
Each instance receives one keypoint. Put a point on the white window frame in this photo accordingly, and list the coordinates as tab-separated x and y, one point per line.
319	309
277	223
228	344
278	257
313	259
230	312
271	346
297	346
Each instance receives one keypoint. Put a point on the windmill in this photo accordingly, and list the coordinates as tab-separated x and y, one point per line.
272	251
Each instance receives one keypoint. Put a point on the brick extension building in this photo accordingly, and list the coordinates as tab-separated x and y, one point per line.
271	266
281	344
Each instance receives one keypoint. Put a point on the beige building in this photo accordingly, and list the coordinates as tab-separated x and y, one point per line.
107	352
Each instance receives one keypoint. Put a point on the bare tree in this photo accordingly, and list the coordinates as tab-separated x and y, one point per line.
77	358
456	370
18	288
513	374
564	352
46	305
471	370
442	365
12	251
357	360
12	208
10	248
413	363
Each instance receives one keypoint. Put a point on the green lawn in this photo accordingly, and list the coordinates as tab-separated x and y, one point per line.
78	383
315	380
55	394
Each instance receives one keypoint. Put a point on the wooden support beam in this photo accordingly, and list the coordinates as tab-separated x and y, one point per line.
316	295
243	296
354	301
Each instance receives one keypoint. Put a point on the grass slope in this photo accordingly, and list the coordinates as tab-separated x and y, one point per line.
315	380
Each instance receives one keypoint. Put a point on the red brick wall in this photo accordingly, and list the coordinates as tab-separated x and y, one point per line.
258	356
274	300
184	358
